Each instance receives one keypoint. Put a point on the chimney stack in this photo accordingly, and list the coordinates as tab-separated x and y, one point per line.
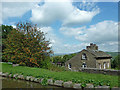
92	47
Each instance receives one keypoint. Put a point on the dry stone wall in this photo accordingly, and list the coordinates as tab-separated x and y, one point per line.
100	71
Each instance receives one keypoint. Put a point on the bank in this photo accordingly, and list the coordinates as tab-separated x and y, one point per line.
65	79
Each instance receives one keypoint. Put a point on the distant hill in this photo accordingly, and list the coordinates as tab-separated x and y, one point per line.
113	54
61	54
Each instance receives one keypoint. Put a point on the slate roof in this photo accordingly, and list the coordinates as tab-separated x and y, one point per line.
99	54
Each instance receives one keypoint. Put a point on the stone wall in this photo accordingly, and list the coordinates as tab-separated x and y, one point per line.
100	71
59	83
101	62
77	61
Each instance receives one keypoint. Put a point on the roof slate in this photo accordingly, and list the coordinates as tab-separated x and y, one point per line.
98	53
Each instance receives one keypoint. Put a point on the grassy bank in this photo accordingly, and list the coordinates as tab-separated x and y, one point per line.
77	77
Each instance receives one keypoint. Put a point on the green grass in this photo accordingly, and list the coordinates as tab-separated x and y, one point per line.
76	77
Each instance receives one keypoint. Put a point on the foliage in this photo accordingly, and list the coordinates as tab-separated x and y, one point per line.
44	81
76	77
83	85
5	31
62	59
26	45
115	63
56	68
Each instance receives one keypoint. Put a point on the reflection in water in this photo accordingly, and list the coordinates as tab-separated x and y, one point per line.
13	83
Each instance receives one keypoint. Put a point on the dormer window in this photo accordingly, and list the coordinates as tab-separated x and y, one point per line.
84	57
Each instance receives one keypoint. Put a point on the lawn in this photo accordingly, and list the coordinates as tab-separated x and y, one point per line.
76	77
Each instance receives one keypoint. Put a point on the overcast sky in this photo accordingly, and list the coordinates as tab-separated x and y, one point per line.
69	25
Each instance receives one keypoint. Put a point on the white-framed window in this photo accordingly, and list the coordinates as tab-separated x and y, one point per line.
99	66
84	65
84	56
108	65
69	65
104	64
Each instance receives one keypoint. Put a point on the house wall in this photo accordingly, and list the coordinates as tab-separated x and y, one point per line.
76	61
101	62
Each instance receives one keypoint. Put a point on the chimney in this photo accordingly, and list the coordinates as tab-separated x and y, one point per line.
92	47
91	44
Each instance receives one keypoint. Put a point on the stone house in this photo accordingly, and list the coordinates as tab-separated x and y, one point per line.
90	57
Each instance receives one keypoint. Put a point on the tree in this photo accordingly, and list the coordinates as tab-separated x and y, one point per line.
26	45
62	59
115	63
5	31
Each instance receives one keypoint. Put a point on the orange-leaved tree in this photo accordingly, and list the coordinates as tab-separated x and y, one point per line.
26	45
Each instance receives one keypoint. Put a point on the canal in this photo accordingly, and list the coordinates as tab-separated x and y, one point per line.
13	83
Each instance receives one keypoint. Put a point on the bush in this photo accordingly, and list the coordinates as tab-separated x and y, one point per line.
56	68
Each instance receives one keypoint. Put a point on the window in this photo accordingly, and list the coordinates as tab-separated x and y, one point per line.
84	65
99	66
104	64
108	65
69	65
84	56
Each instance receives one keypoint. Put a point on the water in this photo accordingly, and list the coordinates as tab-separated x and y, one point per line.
13	83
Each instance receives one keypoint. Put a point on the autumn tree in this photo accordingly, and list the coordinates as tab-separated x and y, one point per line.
26	45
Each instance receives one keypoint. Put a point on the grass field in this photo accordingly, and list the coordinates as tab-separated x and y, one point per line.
76	77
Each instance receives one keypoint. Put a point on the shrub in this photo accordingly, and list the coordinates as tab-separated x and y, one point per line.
56	68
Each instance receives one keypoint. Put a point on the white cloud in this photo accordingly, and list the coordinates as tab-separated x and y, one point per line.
51	11
72	31
83	15
103	33
13	26
109	46
51	36
16	9
100	33
58	44
63	11
68	48
79	17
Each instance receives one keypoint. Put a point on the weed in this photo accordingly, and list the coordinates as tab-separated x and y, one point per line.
44	81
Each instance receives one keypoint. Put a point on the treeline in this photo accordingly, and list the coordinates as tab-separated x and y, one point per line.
115	63
60	60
